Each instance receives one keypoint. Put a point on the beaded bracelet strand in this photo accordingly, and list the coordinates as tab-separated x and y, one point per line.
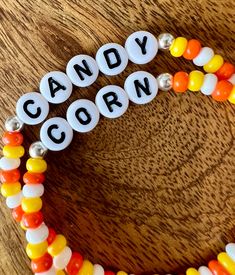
48	250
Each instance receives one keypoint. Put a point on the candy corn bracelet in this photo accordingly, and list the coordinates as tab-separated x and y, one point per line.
48	251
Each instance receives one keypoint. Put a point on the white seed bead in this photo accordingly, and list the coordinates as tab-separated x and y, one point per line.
203	270
141	87
83	115
112	101
61	260
112	59
51	271
82	70
14	201
204	56
141	47
32	108
209	83
56	134
9	163
37	235
230	250
232	79
98	270
33	190
56	87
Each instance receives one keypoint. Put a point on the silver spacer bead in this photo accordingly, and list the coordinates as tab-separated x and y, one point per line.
165	40
14	124
165	81
37	150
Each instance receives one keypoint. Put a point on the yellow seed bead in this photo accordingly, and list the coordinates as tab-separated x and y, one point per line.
35	251
31	205
36	165
22	226
13	152
232	96
178	46
192	271
121	273
60	272
214	64
195	81
57	246
227	262
10	189
86	269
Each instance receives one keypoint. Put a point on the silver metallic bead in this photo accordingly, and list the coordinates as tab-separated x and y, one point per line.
165	81
165	40
13	124
37	150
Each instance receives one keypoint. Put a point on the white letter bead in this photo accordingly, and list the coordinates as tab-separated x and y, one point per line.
209	83
60	261
82	70
112	59
37	235
51	271
141	87
98	270
141	47
230	250
203	270
56	134
56	87
14	201
32	108
83	115
112	101
203	57
9	163
33	190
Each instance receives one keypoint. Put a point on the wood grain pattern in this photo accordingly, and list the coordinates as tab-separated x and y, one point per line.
153	191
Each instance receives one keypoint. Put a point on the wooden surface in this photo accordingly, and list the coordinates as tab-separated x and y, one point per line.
152	191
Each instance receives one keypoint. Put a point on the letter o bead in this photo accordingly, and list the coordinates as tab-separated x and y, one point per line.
112	101
32	108
56	134
83	115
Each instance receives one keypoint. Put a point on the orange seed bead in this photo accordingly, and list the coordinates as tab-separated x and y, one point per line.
12	138
192	50
226	71
33	178
18	213
9	176
216	268
222	90
180	82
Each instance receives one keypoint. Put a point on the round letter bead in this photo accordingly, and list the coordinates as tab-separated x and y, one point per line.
204	56
12	138
37	235
74	264
9	163
178	47
83	115
14	201
61	260
112	101
222	90
112	59
203	270
10	189
51	271
192	271
33	178
57	246
217	268
141	87
17	213
230	250
227	262
232	96
225	71
9	176
32	220
36	165
31	205
209	84
13	151
214	64
98	270
42	264
86	269
56	87
32	108
195	81
141	47
82	70
33	190
35	251
180	82
56	134
192	50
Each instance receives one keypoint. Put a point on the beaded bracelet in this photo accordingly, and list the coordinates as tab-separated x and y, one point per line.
48	250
